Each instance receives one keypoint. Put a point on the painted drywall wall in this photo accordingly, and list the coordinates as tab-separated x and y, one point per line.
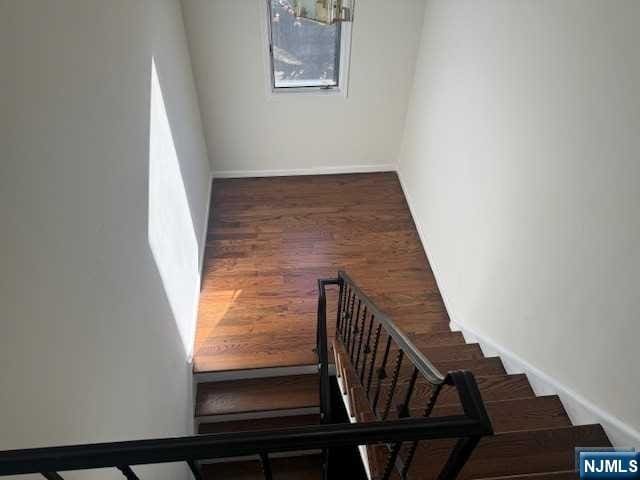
90	346
520	160
250	133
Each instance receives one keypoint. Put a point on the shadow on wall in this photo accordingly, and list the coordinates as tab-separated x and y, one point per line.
171	232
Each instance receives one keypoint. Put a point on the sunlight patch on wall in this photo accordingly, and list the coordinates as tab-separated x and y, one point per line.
171	233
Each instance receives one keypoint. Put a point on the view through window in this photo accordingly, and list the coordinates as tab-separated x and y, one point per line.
304	53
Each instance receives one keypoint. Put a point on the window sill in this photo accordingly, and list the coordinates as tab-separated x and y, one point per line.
306	91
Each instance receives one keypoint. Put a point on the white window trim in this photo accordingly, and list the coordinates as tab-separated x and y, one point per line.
345	62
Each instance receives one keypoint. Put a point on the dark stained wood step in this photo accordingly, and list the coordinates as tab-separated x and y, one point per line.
537	413
479	367
255	395
238	352
423	326
467	351
436	339
492	387
305	467
514	453
259	424
519	414
443	337
443	353
533	413
438	331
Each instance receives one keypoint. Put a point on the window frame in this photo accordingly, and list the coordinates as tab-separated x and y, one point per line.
343	63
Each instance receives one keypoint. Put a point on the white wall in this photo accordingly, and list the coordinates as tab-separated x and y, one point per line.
250	133
520	159
90	348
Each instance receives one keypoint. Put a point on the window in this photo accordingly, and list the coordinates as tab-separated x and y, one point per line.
308	49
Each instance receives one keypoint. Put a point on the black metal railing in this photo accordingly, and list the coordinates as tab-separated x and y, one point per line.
468	428
53	460
362	329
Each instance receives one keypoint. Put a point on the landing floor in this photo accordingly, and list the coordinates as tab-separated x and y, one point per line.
270	239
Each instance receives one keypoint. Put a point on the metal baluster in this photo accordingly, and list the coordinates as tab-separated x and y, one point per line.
391	460
340	301
325	464
373	357
394	383
266	466
414	445
382	374
345	310
459	456
347	333
353	328
347	314
194	469
52	476
128	473
403	412
361	331
366	351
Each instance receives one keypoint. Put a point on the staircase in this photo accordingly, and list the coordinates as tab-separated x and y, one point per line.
402	416
533	436
255	368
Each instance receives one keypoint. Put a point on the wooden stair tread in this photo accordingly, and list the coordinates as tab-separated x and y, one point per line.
513	453
519	414
533	413
492	387
258	394
421	326
464	351
241	352
438	338
479	366
259	424
306	467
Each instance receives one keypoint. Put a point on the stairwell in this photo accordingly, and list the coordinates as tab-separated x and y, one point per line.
357	227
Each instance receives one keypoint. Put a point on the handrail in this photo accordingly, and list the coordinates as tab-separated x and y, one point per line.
467	428
424	366
359	330
204	447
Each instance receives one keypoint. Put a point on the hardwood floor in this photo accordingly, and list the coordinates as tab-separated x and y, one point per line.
268	242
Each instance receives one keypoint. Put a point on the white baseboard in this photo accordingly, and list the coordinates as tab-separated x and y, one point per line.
304	171
580	410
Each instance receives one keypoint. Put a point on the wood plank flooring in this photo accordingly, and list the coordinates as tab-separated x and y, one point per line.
270	239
